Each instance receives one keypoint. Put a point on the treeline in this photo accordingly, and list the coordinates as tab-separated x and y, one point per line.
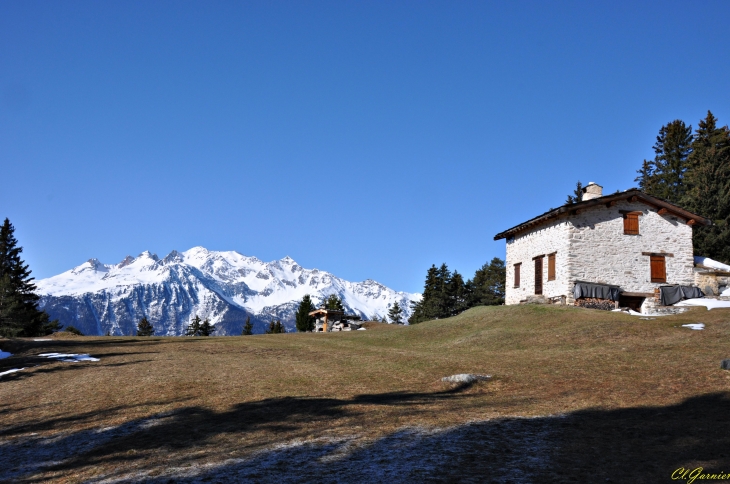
446	293
692	170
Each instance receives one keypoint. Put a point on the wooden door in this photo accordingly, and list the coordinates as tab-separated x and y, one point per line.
538	275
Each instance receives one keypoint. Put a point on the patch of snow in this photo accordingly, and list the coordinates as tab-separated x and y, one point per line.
707	262
465	378
726	292
361	329
707	302
43	339
11	371
4	354
69	357
695	326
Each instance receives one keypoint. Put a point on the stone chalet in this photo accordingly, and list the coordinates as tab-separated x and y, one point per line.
618	249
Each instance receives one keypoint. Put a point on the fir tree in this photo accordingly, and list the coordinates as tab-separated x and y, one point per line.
458	294
304	321
248	327
206	329
275	327
489	284
707	188
646	177
375	317
19	313
194	327
73	330
672	148
395	314
577	195
144	328
333	302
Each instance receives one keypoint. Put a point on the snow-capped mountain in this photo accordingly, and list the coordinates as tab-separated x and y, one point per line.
224	287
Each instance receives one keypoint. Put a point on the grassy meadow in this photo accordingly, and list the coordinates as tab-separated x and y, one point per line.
576	395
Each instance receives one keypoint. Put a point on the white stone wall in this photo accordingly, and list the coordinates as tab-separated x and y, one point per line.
592	247
600	252
544	240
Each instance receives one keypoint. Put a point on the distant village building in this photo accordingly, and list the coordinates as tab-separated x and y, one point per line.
327	320
627	249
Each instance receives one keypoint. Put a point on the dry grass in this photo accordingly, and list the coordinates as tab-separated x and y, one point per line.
634	394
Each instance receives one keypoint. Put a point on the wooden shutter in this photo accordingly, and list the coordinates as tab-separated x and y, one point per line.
517	274
631	224
551	267
658	268
538	274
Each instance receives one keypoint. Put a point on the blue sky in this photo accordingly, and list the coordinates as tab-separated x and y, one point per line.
368	139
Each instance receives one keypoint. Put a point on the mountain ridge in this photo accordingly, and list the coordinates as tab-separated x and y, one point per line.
224	286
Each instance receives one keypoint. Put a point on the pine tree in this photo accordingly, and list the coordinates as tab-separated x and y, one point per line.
206	329
672	148
194	327
458	294
275	327
333	302
395	314
438	300
489	284
144	328
304	321
19	313
248	327
646	177
577	195
374	317
707	188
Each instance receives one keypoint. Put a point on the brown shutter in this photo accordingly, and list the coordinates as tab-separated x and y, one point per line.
538	275
658	269
551	267
517	274
631	224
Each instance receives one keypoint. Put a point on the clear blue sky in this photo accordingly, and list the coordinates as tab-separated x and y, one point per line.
369	139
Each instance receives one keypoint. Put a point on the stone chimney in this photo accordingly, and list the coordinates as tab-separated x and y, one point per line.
591	191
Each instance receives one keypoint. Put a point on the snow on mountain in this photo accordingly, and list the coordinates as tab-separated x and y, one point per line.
225	287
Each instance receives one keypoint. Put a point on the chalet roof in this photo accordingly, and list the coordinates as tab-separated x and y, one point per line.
633	195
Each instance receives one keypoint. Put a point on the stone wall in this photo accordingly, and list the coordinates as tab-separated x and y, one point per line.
601	253
712	283
544	240
591	246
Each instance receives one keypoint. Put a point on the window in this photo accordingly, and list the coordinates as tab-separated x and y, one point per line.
631	223
658	268
517	274
551	267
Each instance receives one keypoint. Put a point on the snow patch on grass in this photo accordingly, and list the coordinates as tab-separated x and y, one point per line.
69	357
11	371
695	326
707	302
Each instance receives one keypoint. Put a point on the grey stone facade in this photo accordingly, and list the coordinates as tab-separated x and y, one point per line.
591	246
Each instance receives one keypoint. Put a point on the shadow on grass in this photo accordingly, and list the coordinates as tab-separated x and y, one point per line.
644	444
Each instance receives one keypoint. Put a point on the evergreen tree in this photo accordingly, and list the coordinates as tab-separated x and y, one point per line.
374	317
489	284
194	327
144	328
206	329
19	313
458	294
73	330
275	327
672	148
577	195
333	302
395	314
304	321
707	188
646	177
439	296
248	327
